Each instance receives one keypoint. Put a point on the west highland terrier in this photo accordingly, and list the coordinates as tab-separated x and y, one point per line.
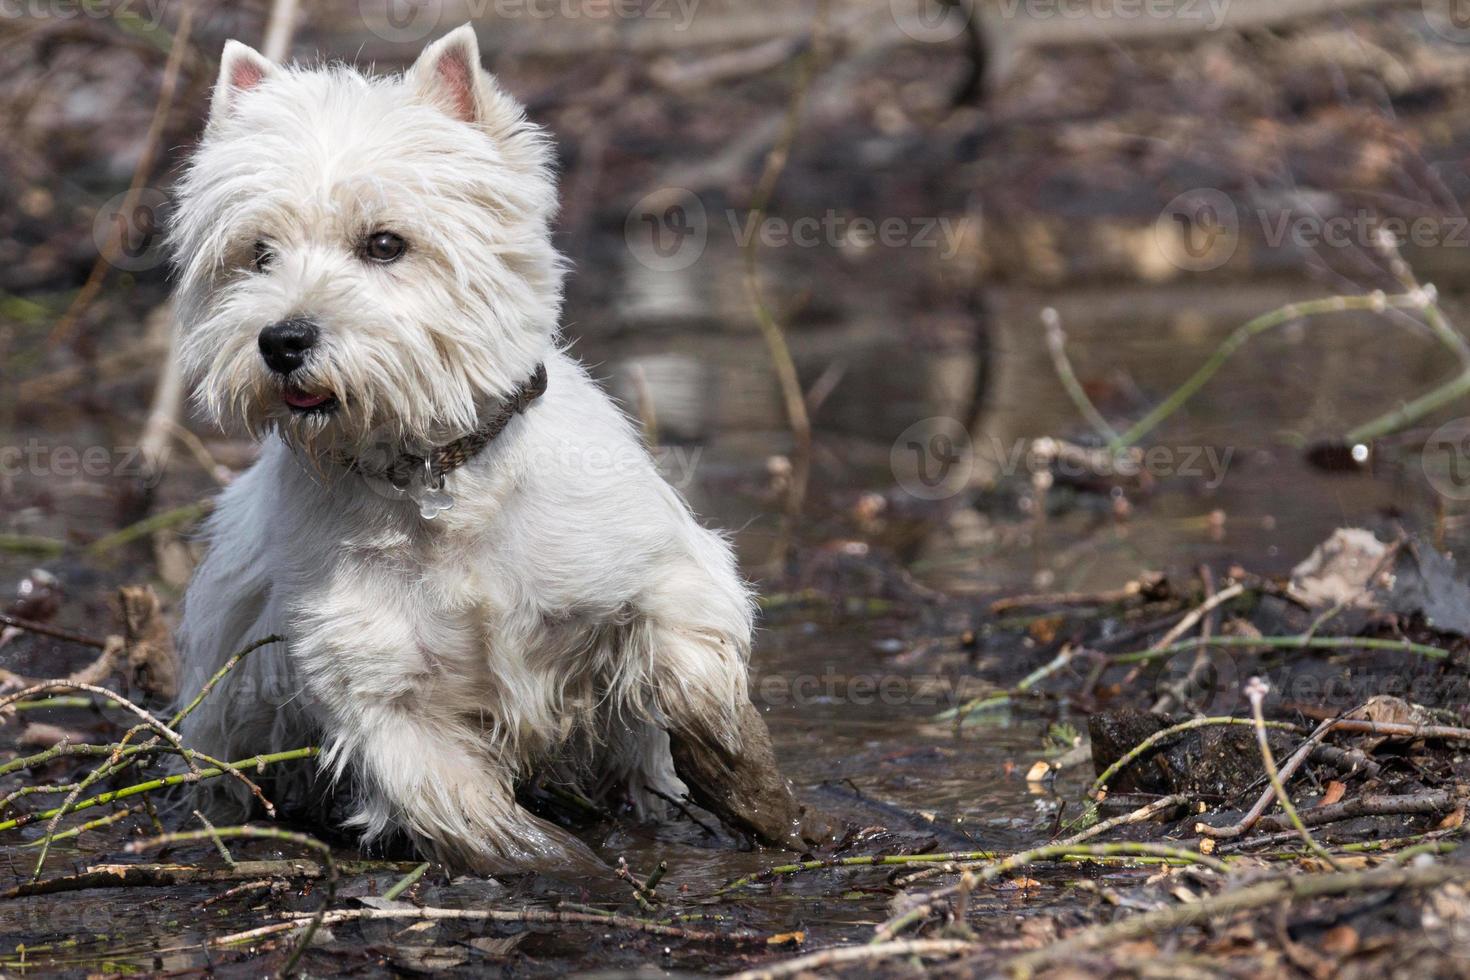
470	595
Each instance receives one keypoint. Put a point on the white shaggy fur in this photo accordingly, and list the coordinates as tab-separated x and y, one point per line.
566	611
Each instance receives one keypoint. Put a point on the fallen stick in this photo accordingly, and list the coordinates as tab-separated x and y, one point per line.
1284	643
162	876
839	955
1435	801
922	905
1257	896
522	917
868	861
314	919
1305	750
55	632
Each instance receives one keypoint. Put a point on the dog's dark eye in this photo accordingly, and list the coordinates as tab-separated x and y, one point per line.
262	256
384	246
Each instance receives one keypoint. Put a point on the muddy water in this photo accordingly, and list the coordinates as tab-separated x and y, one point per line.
847	671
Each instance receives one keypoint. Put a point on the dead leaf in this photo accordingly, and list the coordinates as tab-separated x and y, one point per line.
1340	940
787	938
498	947
427	959
1045	630
1019	884
148	641
1335	791
1452	821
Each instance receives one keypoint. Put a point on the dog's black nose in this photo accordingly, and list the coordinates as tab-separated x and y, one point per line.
284	345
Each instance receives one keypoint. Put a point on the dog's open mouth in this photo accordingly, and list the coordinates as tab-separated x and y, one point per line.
305	401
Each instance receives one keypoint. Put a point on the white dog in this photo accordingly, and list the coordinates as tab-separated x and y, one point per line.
477	581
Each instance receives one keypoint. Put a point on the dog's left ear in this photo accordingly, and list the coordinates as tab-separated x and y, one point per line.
448	75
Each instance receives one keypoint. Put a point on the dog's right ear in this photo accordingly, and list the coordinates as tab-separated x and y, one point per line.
241	68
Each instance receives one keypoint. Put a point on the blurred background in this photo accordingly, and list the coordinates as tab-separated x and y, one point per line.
903	292
896	188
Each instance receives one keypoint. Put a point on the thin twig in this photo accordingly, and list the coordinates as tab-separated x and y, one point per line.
771	329
1262	895
178	47
1256	691
1056	345
1285	643
264	833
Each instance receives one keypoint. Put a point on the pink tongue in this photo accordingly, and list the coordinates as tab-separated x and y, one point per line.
300	399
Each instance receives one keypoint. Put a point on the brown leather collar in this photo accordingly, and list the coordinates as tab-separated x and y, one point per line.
404	469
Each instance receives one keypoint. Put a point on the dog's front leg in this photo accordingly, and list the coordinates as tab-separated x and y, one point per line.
415	764
426	777
720	745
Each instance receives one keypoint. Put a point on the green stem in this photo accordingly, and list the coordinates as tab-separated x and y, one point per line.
259	761
29	544
187	514
1413	411
1257	691
1267	321
406	882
